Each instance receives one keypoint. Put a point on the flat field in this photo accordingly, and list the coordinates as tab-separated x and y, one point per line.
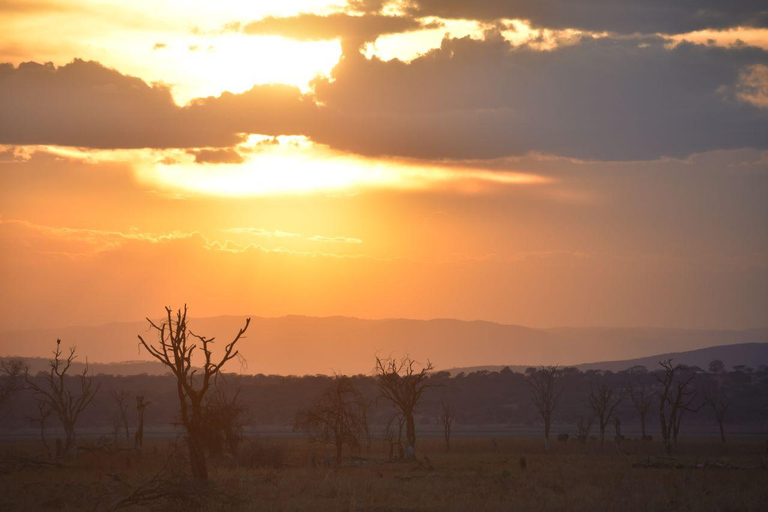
291	474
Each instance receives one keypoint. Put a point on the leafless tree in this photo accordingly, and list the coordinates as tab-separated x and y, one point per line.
720	402
389	435
121	414
12	373
447	412
175	347
642	397
402	383
337	417
603	400
546	392
676	396
53	390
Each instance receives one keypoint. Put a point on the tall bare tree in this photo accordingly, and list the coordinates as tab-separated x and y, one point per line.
720	402
175	347
642	398
447	413
546	392
54	391
121	413
12	373
402	383
603	400
676	396
337	417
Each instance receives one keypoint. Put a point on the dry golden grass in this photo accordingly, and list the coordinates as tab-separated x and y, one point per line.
473	477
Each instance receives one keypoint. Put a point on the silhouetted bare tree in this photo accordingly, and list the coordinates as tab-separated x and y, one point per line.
402	383
337	417
603	400
546	391
12	373
121	413
676	396
720	401
54	392
642	396
175	347
447	413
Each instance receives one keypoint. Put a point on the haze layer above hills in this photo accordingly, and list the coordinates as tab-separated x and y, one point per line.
297	345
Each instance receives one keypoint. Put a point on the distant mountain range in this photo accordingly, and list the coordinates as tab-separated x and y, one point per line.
299	345
747	354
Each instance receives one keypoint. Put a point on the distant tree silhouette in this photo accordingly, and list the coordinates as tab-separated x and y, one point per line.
642	395
121	413
719	399
716	366
447	412
12	373
54	392
337	417
174	348
603	400
402	383
676	396
546	391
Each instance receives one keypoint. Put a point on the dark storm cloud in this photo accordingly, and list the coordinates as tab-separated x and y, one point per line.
623	16
601	99
312	27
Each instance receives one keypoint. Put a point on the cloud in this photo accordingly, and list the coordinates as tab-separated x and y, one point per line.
595	99
285	234
217	156
342	239
753	85
86	104
602	99
262	232
312	27
622	16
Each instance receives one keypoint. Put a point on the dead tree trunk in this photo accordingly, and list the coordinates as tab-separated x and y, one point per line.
175	347
55	392
446	419
402	384
546	395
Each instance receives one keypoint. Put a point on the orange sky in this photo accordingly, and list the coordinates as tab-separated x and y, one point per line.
381	160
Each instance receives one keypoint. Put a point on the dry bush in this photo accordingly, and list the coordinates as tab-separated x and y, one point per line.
259	454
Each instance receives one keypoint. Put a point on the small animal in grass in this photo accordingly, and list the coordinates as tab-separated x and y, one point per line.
523	464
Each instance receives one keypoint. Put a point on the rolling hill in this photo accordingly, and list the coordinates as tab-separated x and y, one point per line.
299	345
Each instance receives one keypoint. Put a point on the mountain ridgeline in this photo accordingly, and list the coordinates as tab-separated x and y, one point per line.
298	345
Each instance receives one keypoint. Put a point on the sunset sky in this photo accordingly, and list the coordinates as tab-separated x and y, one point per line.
538	162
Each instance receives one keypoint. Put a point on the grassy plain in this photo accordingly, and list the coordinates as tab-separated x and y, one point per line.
278	474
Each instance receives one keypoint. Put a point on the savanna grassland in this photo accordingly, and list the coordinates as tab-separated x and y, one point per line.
288	473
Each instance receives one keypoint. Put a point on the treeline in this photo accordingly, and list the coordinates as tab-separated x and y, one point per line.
480	399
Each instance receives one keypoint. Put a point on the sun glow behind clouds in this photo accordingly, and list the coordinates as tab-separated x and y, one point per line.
297	166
